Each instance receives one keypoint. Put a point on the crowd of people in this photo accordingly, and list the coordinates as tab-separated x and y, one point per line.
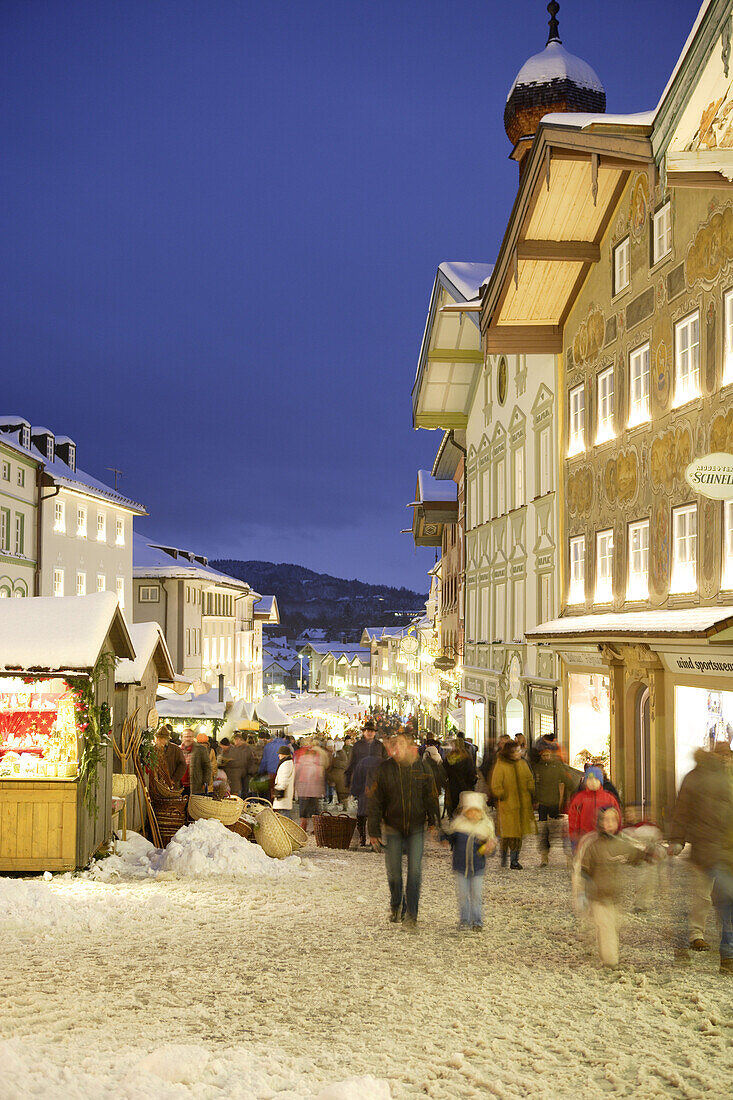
403	785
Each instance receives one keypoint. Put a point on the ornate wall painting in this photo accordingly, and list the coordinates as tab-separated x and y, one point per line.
670	456
590	336
710	347
715	130
659	549
580	491
711	249
708	531
620	478
639	205
721	432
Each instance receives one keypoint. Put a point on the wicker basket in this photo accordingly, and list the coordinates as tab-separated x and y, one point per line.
226	810
123	784
254	805
333	830
272	835
298	836
242	828
170	813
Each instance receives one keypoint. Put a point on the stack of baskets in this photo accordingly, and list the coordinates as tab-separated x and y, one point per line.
333	830
170	813
226	810
276	834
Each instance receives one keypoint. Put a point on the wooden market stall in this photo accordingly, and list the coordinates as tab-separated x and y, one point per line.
57	661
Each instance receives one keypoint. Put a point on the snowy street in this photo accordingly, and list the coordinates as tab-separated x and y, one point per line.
290	984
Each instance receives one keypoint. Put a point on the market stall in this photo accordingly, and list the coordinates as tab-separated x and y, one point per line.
57	658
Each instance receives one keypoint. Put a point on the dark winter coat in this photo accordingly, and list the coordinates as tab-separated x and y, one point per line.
466	858
549	775
703	812
336	774
437	770
403	798
461	774
237	761
199	768
361	749
176	764
362	782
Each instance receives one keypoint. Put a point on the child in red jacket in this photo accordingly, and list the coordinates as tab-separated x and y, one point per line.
585	804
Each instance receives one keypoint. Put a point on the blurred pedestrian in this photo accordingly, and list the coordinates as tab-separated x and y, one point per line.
550	781
199	768
460	773
471	836
512	785
586	804
284	790
310	780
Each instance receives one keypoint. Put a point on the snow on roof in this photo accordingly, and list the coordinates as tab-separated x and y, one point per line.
265	604
335	648
689	621
466	277
434	490
65	439
8	421
695	27
147	638
79	481
556	63
38	430
579	120
59	634
150	559
268	711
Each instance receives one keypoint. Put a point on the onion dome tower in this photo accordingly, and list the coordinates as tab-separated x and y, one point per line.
553	80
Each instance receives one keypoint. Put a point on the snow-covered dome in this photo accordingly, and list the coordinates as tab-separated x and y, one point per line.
552	80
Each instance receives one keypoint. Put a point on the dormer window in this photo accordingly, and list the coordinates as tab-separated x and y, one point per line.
71	461
50	454
25	437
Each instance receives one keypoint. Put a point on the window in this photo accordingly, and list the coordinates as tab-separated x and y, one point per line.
486	480
728	545
500	487
499	613
638	586
518	609
120	532
604	567
545	461
577	570
81	584
621	266
197	632
59	517
545	597
58	582
21	476
728	338
120	590
605	406
662	232
684	549
101	527
577	420
229	649
519	477
101	582
6	471
81	522
25	437
206	652
149	593
19	534
687	359
639	410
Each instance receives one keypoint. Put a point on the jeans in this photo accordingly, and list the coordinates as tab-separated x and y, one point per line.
723	902
469	889
412	846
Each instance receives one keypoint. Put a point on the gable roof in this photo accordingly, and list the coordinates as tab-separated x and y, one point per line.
151	559
149	643
58	634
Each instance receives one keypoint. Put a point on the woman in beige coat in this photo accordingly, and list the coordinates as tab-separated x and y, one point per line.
512	785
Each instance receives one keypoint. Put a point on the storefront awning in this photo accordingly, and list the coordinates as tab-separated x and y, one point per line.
712	623
470	697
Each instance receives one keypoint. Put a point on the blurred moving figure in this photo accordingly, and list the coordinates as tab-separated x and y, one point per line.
512	785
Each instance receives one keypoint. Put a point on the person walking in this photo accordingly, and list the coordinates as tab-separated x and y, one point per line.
402	803
433	764
586	803
512	785
471	836
236	761
284	791
170	757
460	772
199	768
362	786
310	780
367	745
550	784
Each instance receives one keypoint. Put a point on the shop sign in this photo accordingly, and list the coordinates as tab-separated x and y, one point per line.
588	658
712	476
700	663
542	699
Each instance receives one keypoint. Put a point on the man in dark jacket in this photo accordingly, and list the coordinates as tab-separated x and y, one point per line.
403	799
172	756
367	745
237	761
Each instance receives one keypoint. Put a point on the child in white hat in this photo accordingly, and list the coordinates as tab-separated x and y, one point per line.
471	836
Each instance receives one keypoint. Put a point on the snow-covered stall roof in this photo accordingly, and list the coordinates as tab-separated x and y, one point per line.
61	633
268	711
192	707
149	643
689	622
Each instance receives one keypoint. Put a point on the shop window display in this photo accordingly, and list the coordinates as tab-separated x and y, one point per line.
38	731
589	731
701	717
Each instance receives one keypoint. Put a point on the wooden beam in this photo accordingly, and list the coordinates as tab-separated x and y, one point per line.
708	180
455	355
527	339
569	251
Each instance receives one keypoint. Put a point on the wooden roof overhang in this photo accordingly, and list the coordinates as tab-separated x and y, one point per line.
571	184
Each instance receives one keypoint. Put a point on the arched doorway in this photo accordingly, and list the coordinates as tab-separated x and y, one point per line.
642	749
514	717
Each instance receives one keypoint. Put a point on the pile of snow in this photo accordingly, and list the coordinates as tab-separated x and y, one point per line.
26	904
203	849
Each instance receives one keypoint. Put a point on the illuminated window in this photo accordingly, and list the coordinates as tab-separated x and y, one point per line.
500	487
81	522
639	385
58	582
545	461
621	266
120	590
687	359
545	597
101	527
499	613
577	570
101	582
605	406
81	584
518	632
638	586
59	517
519	477
604	567
662	232
684	549
577	420
4	528
728	341
120	531
19	534
6	471
21	477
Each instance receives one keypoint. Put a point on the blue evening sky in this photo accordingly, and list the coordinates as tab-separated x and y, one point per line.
221	223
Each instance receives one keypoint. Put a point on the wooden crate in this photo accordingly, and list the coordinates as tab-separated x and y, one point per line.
38	825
